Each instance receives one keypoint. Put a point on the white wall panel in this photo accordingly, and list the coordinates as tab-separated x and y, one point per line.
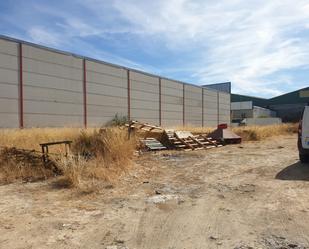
144	97
107	93
51	57
48	120
171	103
9	92
52	88
102	100
105	69
224	108
39	80
193	105
210	108
53	93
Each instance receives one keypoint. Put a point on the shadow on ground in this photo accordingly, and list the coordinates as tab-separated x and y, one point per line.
297	171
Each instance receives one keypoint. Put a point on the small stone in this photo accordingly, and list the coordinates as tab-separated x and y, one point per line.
158	192
291	245
119	241
111	247
213	237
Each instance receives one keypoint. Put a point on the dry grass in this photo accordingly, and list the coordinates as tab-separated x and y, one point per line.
98	155
19	164
31	138
256	133
250	133
103	155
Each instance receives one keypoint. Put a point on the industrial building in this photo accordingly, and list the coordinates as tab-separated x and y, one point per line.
222	87
288	106
245	113
44	87
246	109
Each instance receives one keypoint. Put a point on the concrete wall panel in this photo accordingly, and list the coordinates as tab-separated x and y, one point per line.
52	95
106	101
8	76
48	120
53	92
224	108
8	47
171	103
39	80
51	57
193	105
105	69
9	81
210	108
8	61
107	90
144	97
107	93
46	74
56	70
140	77
110	80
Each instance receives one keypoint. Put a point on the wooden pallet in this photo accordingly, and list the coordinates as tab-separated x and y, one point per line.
187	141
143	126
153	144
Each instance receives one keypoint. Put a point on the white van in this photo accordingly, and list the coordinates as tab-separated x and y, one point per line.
303	137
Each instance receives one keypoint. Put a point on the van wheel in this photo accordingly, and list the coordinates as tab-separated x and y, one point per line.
304	158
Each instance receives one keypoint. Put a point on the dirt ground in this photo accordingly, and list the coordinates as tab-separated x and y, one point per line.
254	195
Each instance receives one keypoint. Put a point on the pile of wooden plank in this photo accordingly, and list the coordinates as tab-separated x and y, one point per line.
187	141
172	139
152	144
143	126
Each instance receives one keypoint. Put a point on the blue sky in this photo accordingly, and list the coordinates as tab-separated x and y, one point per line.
261	46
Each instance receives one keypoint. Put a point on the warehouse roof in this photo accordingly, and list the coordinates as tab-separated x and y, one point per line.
298	96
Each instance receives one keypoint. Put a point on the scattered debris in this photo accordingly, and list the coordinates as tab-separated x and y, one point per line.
224	134
27	158
160	198
187	141
273	242
213	237
153	144
143	126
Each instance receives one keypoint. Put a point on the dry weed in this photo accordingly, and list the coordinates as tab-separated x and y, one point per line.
250	133
256	133
25	165
97	156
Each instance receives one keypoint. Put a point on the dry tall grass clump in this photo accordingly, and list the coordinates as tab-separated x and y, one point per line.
31	138
95	154
249	133
101	155
25	165
256	133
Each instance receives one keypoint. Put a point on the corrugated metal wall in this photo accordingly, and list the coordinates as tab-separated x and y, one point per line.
41	87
